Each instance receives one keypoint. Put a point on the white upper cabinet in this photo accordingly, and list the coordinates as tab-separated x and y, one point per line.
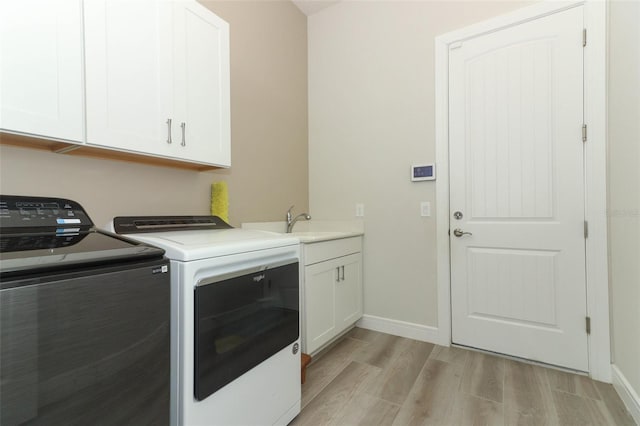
41	78
201	83
128	74
158	79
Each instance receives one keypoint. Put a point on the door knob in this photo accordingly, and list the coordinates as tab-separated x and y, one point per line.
459	232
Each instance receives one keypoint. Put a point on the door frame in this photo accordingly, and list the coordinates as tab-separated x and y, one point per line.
597	283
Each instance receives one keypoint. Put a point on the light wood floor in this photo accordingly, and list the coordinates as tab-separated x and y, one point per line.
371	378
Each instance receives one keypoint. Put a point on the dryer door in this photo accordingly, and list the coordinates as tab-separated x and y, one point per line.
241	320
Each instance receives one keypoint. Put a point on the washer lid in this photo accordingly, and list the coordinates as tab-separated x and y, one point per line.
26	254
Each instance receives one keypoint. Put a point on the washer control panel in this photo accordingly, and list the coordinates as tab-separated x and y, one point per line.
27	212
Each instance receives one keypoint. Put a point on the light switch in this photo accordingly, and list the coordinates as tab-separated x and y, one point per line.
359	210
425	208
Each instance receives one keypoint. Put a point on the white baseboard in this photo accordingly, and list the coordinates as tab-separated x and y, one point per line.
627	393
409	330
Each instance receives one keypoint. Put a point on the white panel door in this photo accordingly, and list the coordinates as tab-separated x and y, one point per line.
517	178
202	96
129	74
41	74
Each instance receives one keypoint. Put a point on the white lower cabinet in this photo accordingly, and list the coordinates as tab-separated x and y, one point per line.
332	290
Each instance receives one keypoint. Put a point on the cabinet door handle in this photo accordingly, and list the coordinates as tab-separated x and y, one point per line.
342	272
338	274
183	125
168	130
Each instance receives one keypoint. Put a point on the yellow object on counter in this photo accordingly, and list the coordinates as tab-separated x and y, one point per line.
220	200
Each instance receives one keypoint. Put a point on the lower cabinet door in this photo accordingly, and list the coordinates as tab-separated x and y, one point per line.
320	326
348	293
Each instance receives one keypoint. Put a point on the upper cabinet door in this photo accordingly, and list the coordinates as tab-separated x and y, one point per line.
41	79
158	79
201	89
129	74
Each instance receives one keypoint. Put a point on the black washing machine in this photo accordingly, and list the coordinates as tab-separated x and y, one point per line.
84	320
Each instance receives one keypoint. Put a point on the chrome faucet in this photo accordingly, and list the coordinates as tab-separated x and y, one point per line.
291	222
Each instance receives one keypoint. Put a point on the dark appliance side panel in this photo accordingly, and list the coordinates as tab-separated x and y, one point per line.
80	349
242	321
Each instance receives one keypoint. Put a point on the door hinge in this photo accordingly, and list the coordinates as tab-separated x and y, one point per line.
586	229
584	37
584	133
588	324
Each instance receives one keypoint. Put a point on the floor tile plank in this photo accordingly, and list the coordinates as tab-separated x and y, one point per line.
397	379
336	395
598	410
572	383
483	376
614	404
367	410
450	354
432	398
381	351
473	411
363	334
573	410
527	396
325	368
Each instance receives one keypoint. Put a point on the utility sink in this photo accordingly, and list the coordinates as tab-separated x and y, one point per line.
312	231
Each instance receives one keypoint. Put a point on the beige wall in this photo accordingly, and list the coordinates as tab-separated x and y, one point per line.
268	131
624	186
371	109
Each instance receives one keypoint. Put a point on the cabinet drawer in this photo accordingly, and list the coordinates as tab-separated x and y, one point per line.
317	252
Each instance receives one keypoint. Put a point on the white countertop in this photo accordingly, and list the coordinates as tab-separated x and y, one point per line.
313	231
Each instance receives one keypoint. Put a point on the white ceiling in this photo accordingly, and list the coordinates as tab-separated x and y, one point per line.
309	7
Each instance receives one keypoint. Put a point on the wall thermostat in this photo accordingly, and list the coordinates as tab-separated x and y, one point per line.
423	172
